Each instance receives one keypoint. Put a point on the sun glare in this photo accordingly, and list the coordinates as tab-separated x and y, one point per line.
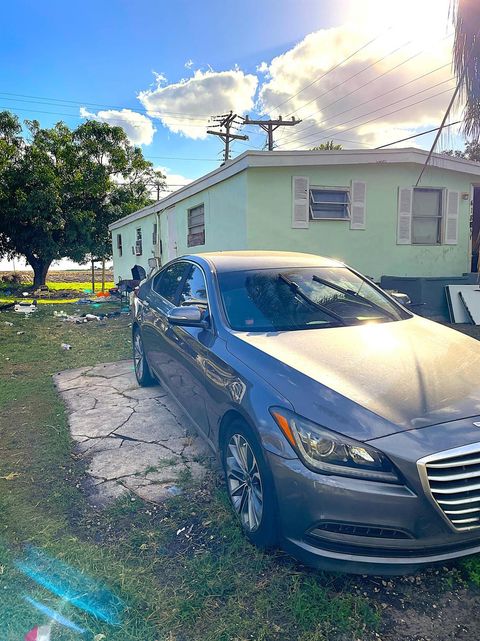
417	20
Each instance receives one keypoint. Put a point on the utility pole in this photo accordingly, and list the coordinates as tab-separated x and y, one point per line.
227	121
271	125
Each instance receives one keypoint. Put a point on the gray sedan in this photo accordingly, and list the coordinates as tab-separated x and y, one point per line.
348	428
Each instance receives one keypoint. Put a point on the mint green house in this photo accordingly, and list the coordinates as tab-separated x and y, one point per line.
362	207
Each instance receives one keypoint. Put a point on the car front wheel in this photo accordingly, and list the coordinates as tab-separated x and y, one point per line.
142	371
249	484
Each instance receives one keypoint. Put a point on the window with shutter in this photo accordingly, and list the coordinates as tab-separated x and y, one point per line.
300	202
138	242
359	205
196	226
451	218
404	221
119	244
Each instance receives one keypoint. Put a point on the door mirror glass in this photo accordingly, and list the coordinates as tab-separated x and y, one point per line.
187	316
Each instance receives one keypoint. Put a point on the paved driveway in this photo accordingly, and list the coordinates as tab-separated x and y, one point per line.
134	439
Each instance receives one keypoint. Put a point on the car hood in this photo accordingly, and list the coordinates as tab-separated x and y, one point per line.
371	380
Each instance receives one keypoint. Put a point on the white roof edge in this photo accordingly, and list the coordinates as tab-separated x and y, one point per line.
303	159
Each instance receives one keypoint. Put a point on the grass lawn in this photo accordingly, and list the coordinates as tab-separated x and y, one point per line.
182	571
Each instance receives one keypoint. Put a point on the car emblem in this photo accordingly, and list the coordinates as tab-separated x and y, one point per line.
476	423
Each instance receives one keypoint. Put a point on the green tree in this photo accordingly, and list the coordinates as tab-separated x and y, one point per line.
471	152
61	190
327	146
466	61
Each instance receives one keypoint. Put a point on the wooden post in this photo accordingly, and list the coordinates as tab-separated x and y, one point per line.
103	275
269	126
93	276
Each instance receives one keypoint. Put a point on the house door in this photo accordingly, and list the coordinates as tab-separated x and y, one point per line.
172	235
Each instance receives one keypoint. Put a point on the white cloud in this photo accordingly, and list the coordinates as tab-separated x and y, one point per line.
174	181
185	107
188	64
139	128
262	67
341	102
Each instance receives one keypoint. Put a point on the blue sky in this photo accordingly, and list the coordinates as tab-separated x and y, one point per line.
359	72
104	52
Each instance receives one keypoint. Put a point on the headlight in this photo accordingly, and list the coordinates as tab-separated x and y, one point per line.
331	453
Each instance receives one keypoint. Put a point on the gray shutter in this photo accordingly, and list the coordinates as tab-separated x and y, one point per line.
451	218
404	220
300	202
358	204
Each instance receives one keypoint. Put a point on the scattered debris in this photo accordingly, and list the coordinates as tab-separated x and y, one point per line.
25	308
39	633
10	477
85	301
91	317
65	346
8	323
20	333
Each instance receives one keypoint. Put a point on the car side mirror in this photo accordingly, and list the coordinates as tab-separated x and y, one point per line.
188	316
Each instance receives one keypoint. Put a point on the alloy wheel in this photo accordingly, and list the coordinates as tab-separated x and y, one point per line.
244	482
138	356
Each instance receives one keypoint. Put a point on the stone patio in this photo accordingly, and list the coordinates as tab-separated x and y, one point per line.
134	439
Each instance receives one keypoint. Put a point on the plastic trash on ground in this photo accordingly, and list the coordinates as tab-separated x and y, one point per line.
65	346
39	633
25	308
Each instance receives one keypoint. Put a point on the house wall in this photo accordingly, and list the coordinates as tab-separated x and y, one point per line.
122	265
374	250
225	219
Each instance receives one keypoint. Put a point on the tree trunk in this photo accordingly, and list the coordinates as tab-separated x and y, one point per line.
93	276
103	275
40	268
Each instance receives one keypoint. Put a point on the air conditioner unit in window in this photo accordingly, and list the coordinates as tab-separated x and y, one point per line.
138	248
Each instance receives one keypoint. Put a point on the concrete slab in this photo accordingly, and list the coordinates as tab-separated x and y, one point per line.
135	439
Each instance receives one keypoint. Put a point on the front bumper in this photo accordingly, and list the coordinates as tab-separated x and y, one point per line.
367	527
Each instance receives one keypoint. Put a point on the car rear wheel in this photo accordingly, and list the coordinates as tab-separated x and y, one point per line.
249	484
142	371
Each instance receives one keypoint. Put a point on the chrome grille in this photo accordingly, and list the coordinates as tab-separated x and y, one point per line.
453	481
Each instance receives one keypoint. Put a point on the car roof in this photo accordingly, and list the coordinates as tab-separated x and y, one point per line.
224	261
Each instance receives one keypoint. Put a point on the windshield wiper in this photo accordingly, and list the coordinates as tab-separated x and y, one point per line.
296	288
350	292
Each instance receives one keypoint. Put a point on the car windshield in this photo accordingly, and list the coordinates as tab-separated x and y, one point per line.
302	298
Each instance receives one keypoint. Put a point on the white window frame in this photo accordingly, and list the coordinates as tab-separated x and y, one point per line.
440	218
348	204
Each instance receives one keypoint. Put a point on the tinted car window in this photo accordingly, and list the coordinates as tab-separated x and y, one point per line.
195	287
302	298
167	282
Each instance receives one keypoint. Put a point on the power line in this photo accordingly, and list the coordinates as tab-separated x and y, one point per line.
365	102
368	113
179	158
101	105
379	117
328	71
400	64
372	64
422	133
